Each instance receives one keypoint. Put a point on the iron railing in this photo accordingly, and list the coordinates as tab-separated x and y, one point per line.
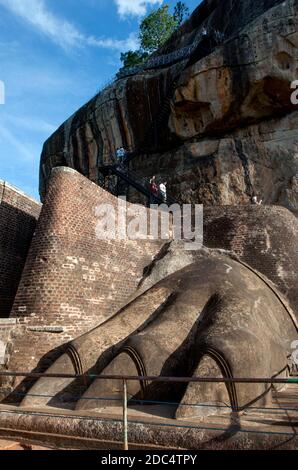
125	401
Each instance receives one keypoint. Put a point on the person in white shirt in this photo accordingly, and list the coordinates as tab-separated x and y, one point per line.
163	191
255	201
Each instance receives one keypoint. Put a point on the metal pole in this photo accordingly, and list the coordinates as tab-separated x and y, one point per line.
37	375
125	434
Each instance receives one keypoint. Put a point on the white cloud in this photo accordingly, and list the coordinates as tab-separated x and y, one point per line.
135	7
59	30
29	123
132	42
8	136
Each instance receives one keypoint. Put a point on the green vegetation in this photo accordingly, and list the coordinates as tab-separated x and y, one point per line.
155	30
133	58
181	12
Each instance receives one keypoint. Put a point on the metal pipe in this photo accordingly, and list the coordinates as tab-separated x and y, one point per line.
153	378
125	420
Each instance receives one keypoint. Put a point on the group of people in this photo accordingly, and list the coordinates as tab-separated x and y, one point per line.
157	191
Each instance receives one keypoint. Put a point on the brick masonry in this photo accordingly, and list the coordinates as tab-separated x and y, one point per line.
265	237
18	216
72	281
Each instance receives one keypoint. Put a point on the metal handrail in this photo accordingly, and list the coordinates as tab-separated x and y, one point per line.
174	56
264	380
139	182
146	184
126	378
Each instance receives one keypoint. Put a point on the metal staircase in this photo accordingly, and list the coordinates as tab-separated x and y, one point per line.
136	181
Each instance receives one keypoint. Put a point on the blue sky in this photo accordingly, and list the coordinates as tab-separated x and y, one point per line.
54	56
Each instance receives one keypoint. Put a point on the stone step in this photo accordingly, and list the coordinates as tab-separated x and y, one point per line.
10	445
14	445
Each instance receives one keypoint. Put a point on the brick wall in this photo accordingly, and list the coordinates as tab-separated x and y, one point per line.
72	281
265	237
18	216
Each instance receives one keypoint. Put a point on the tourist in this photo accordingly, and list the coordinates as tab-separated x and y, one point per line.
120	154
163	191
255	201
153	190
124	153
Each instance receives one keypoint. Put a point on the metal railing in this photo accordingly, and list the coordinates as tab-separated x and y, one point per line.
171	58
261	380
139	182
183	53
125	401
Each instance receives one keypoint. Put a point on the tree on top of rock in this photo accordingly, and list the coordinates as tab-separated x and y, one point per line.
156	29
181	12
133	58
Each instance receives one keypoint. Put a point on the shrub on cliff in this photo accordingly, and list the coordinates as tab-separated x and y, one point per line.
133	58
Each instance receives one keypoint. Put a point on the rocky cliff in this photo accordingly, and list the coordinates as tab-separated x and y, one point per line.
211	112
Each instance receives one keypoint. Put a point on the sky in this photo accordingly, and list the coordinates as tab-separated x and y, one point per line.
54	56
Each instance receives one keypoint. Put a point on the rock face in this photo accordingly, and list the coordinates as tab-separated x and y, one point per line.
223	339
218	123
213	316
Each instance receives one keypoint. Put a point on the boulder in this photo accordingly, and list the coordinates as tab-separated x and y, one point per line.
211	113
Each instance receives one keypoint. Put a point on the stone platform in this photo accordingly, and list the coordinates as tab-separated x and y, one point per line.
153	427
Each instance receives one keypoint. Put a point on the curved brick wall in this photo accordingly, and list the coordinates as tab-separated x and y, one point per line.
265	237
72	281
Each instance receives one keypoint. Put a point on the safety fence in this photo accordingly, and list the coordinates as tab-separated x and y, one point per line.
216	38
130	402
131	177
183	53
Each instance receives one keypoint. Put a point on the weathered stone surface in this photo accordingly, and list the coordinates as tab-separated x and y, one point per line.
231	130
57	284
213	308
264	237
69	430
72	280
